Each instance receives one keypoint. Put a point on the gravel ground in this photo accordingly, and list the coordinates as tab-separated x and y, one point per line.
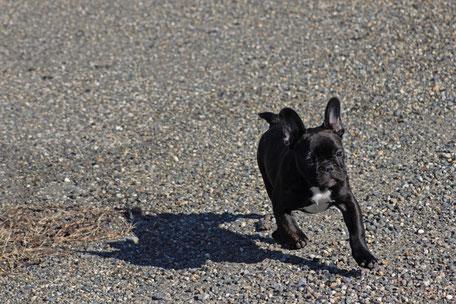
153	104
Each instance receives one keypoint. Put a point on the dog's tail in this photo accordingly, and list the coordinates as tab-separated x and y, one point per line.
271	118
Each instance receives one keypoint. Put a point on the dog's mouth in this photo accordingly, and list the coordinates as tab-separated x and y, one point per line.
330	183
328	180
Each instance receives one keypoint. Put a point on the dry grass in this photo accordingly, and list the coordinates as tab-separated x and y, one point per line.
29	233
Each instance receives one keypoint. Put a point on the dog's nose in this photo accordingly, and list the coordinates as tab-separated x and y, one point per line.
328	168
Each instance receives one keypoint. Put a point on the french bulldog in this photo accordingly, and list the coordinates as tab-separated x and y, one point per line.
303	169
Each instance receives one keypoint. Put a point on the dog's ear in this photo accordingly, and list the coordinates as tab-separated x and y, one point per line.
292	126
332	117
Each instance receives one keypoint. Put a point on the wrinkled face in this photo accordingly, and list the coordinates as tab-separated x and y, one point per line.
321	159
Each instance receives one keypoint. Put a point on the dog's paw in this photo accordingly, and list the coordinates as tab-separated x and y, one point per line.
299	244
290	241
365	259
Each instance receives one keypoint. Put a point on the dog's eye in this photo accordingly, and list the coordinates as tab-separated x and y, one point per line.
339	153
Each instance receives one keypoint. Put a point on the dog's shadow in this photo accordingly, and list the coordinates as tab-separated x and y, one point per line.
180	241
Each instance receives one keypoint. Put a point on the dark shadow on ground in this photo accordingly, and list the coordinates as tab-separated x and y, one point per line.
179	241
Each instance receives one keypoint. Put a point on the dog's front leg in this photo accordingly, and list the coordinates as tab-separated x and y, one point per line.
287	232
354	221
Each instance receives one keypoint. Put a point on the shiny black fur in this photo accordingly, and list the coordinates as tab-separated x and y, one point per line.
299	165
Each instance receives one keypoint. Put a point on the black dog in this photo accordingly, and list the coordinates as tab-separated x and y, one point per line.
303	169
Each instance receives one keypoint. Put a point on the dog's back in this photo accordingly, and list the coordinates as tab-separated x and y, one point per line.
270	149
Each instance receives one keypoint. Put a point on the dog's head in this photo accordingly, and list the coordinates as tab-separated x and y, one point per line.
319	151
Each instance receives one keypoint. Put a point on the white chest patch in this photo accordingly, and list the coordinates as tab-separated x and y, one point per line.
320	201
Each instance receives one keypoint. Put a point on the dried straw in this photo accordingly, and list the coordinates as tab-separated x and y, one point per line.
29	233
